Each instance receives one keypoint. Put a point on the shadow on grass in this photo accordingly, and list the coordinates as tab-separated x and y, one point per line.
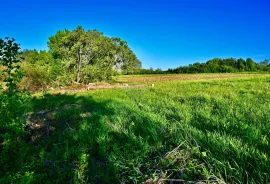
73	152
85	146
110	141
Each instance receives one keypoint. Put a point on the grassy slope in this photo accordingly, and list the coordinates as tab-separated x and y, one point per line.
122	135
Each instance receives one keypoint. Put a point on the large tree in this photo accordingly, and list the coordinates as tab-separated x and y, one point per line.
89	55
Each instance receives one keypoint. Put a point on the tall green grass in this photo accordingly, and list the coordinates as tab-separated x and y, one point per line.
221	130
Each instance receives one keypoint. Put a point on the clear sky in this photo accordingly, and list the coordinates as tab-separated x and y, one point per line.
162	33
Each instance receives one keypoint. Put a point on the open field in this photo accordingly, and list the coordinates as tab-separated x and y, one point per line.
170	77
188	128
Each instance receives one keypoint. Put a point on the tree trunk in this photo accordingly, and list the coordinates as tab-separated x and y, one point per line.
79	67
78	77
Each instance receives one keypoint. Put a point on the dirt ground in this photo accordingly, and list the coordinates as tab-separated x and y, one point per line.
77	89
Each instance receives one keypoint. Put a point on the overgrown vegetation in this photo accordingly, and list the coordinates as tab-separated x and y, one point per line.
77	56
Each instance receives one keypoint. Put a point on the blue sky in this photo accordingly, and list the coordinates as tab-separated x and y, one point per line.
162	33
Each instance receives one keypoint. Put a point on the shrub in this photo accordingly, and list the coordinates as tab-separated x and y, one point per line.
13	103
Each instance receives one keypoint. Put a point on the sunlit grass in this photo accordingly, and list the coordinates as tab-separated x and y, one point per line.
219	127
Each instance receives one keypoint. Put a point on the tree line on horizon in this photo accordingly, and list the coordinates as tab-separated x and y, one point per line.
216	65
80	57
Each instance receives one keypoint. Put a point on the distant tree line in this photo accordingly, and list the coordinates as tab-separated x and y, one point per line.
76	56
216	65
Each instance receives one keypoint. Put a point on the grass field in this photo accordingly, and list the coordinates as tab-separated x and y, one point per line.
213	130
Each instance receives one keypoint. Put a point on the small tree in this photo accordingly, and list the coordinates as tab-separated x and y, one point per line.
9	51
13	103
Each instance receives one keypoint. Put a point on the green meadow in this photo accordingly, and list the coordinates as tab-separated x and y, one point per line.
210	131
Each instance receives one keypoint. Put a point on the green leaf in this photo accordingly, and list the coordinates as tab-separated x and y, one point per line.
204	154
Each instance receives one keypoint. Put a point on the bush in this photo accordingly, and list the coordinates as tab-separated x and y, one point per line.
35	78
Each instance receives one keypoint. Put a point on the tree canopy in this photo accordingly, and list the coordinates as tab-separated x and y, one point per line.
216	65
89	55
77	56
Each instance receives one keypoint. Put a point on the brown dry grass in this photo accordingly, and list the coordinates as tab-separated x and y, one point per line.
185	77
78	89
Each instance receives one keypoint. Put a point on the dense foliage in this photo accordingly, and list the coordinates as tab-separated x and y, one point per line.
91	55
13	103
216	65
78	56
40	70
228	65
12	100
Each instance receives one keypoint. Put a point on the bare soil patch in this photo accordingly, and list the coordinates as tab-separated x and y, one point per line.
38	123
